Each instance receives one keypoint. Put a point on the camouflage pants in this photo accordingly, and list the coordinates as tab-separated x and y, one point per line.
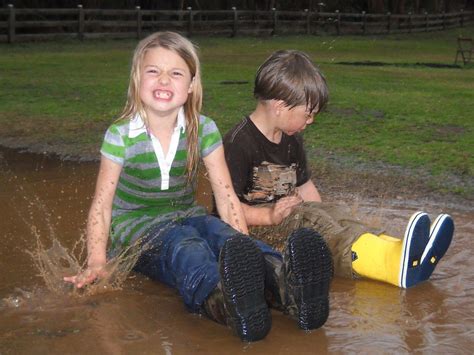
332	221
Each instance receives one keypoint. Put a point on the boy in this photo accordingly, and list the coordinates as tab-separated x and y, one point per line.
270	175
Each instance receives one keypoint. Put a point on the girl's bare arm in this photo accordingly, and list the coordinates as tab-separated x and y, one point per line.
228	204
98	223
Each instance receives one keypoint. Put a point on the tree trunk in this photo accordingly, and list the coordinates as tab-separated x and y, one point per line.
376	6
398	6
447	6
417	6
469	5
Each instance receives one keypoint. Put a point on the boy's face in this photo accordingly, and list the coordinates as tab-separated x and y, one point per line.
294	120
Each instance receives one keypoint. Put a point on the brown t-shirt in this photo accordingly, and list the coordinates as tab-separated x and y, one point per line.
263	171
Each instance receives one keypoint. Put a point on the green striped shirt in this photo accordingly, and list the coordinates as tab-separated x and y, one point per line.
139	202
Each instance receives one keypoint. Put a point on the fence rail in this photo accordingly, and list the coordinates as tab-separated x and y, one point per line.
42	24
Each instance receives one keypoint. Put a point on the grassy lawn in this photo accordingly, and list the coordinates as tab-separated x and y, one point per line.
61	96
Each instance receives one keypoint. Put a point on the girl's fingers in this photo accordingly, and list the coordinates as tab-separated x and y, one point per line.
82	279
87	278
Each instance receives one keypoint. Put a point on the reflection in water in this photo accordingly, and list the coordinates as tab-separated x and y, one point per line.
45	198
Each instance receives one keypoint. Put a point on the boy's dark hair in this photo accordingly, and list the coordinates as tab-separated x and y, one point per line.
291	76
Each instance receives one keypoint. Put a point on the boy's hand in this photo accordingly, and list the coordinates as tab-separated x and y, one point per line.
283	207
87	276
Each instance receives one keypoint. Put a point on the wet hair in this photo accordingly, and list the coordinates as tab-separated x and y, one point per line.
291	76
187	51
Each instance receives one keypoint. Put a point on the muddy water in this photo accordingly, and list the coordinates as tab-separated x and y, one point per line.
42	196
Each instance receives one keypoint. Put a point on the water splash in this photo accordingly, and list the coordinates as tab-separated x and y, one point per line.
50	258
56	261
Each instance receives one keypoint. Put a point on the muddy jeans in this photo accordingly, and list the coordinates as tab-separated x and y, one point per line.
184	255
332	221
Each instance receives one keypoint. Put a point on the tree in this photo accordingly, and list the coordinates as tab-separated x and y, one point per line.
398	6
376	6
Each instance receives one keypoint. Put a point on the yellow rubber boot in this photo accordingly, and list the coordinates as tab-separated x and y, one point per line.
377	257
392	260
396	240
389	238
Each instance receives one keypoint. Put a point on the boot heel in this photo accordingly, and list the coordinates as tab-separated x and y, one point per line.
308	271
242	272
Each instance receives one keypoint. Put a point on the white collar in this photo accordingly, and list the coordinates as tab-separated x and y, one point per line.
137	126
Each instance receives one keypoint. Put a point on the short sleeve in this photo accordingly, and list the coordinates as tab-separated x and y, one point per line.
238	164
209	136
113	146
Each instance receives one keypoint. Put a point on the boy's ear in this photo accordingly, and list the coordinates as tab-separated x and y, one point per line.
278	106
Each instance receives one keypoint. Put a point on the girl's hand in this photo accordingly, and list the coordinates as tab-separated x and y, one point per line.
283	207
87	276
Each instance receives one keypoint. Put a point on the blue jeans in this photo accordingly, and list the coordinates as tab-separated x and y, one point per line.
184	255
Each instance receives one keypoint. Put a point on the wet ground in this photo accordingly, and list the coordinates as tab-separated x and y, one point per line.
49	198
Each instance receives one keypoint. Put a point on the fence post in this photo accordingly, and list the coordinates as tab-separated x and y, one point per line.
364	22
461	19
139	22
236	22
389	21
338	22
11	23
316	22
190	21
444	20
308	21
409	22
426	21
275	21
80	27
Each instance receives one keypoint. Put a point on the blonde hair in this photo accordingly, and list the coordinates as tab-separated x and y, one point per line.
187	51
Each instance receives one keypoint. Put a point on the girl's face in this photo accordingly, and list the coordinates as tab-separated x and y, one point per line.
165	82
295	120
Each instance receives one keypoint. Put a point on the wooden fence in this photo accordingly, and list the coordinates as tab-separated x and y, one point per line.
42	24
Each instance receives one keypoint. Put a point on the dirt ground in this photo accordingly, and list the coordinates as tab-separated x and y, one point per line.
383	182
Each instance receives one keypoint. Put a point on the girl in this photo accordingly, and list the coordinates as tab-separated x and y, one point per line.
145	193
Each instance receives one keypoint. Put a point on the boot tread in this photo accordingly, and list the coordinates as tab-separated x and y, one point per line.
309	271
243	275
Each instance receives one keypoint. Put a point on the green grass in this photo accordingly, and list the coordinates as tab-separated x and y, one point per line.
65	94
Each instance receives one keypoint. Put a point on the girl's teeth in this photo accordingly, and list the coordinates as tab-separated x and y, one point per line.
162	94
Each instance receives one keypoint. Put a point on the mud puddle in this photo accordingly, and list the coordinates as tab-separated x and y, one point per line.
47	197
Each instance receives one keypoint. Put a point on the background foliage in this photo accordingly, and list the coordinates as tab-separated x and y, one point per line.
371	6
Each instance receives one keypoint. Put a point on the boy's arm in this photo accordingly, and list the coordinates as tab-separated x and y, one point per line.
309	192
98	223
275	213
270	214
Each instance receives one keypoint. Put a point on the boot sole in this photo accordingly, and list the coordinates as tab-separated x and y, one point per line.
441	235
442	227
309	270
415	240
242	272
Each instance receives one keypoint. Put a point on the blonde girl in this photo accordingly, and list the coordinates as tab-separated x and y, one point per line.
145	193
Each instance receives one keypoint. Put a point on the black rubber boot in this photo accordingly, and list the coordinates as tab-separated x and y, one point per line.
242	269
214	308
299	286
